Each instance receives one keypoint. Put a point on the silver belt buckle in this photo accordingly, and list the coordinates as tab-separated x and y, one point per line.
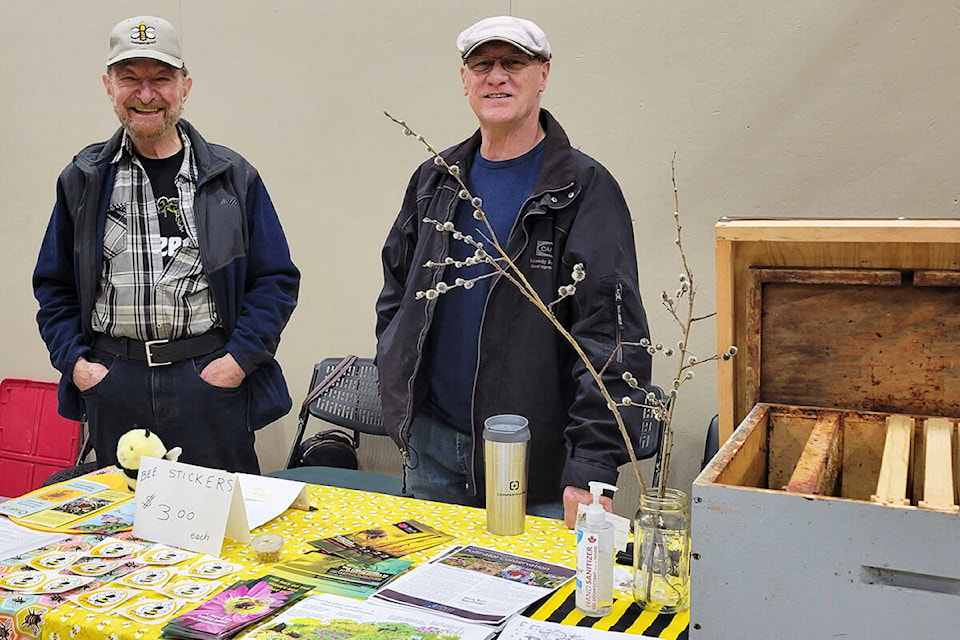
148	346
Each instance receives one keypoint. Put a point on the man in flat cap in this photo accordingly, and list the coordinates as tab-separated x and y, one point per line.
164	277
447	364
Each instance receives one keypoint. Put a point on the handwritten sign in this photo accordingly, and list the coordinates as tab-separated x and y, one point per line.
187	506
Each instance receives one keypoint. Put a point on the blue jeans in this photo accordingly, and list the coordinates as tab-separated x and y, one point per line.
437	470
207	422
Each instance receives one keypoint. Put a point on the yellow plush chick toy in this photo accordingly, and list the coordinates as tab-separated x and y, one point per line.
135	444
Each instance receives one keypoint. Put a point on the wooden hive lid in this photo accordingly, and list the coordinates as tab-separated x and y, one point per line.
857	314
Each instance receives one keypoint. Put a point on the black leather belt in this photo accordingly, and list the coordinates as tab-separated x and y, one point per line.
160	352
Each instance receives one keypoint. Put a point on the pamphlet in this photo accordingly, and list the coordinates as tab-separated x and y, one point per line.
49	497
476	584
379	543
79	508
99	502
235	608
323	616
333	574
114	519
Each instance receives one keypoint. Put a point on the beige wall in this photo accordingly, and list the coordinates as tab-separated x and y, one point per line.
817	108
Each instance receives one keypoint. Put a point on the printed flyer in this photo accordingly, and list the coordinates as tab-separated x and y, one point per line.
333	574
325	616
236	607
476	584
380	543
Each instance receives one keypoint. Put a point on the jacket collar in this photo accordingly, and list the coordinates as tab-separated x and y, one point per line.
557	170
209	161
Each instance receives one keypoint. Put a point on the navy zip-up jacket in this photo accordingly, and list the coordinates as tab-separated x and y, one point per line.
577	214
242	246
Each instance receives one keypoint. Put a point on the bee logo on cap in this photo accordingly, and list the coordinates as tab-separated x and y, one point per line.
143	34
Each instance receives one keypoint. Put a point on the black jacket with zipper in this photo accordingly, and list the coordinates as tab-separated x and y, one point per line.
576	214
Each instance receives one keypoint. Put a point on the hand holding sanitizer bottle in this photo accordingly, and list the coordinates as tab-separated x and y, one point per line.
594	594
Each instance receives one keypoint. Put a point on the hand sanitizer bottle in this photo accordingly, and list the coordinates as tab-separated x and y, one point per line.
595	557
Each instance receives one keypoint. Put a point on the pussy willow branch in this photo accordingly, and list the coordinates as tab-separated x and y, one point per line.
515	276
666	448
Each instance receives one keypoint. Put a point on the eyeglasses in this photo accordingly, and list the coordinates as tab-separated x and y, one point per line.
512	63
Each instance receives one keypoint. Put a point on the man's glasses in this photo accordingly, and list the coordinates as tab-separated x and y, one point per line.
512	63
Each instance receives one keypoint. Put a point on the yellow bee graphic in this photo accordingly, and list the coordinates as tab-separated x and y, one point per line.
142	33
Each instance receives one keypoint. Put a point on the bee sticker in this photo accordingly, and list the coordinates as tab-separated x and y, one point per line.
211	569
147	578
104	598
53	561
191	589
64	583
113	548
150	610
94	567
23	581
164	555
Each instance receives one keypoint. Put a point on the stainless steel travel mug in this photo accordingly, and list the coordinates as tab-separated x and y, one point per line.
505	448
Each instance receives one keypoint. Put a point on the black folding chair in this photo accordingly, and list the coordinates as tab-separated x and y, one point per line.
344	392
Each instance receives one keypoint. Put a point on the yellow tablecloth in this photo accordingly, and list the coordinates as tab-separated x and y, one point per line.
345	510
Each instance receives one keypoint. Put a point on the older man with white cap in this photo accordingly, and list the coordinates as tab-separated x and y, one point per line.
448	364
164	278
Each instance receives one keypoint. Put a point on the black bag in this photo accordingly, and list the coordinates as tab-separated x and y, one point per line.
331	448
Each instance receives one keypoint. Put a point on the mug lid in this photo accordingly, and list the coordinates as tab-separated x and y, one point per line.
506	427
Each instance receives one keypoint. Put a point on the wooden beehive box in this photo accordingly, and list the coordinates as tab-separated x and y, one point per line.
831	510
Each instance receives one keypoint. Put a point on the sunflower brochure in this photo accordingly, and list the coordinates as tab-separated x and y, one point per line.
235	608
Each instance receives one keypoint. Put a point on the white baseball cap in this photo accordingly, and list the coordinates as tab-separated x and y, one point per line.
523	34
145	37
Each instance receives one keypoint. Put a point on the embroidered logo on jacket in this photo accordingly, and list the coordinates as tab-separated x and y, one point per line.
544	255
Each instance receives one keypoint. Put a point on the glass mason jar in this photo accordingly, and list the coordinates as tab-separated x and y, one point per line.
661	551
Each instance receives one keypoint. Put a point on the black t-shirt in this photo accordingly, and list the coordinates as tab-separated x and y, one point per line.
162	173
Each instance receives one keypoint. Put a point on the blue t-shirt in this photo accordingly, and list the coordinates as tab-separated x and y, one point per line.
452	346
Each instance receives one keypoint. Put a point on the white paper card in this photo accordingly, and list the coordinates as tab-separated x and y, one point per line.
187	506
265	498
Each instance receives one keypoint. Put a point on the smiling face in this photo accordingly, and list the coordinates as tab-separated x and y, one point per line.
148	97
500	98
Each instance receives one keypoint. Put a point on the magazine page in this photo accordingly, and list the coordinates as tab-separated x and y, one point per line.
476	584
324	616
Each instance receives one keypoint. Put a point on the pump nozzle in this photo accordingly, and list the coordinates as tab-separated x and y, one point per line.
595	514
